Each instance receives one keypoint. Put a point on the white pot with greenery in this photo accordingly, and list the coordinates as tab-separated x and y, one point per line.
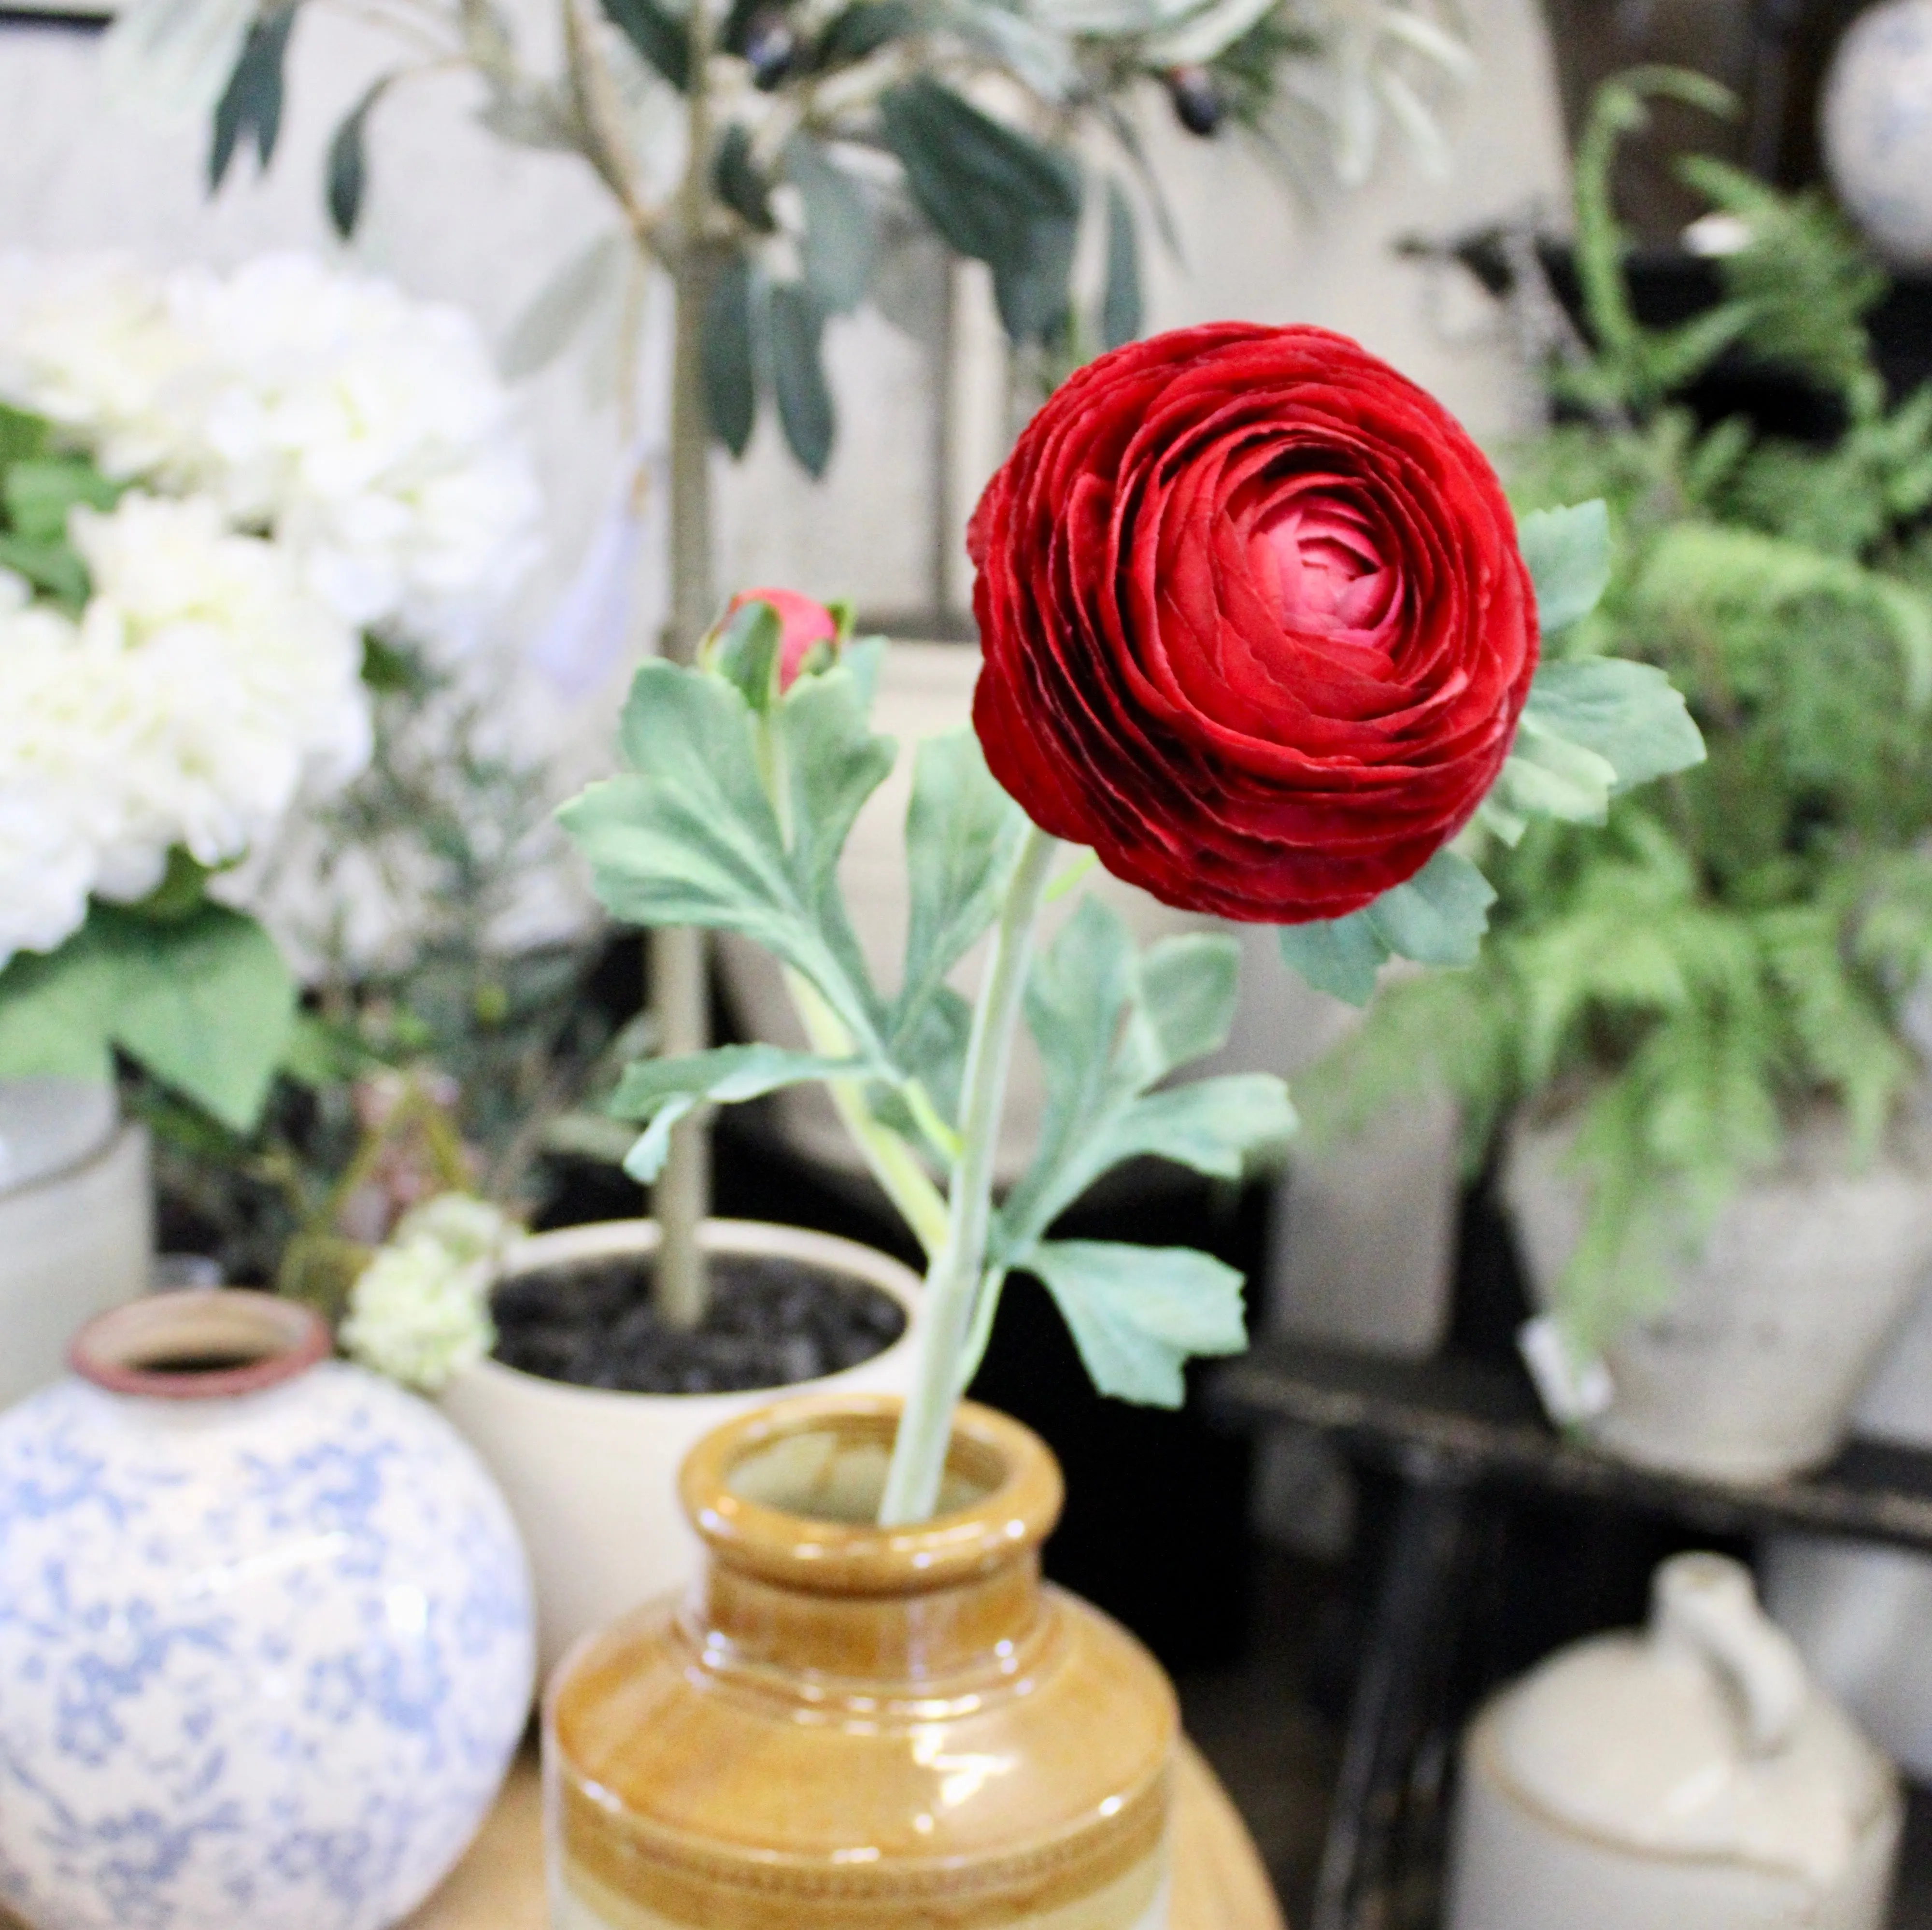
590	1472
1700	1019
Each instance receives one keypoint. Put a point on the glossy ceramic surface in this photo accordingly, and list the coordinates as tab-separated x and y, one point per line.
264	1632
591	1475
864	1728
1689	1774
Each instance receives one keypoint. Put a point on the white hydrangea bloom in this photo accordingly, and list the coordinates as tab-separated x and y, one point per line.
367	431
202	689
420	1310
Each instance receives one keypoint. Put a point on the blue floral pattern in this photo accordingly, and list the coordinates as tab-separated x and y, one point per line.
263	1662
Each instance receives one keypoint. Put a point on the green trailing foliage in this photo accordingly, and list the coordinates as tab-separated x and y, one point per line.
1741	942
732	816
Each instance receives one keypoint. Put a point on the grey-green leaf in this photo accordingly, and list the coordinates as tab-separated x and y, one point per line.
1138	1314
1568	553
1630	714
840	241
740	184
1189	985
798	375
730	365
251	103
1120	300
348	168
1438	917
660	35
561	306
746	653
660	1092
1340	956
962	834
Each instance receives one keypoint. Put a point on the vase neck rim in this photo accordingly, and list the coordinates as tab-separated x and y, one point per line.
751	1489
199	1344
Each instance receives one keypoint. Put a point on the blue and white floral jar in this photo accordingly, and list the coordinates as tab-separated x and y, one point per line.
265	1631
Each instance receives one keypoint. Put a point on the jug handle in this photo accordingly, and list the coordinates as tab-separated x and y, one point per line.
1707	1604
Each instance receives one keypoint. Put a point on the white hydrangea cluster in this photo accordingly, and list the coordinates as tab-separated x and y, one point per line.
200	690
367	431
421	1309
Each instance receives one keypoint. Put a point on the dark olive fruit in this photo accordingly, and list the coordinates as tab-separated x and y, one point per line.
1196	98
771	46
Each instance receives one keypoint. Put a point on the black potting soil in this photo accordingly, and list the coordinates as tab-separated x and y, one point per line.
771	1322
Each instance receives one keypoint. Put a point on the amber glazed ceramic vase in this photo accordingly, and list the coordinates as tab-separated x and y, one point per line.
847	1727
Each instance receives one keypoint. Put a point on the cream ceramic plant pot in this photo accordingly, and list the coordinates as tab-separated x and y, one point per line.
77	1221
848	1728
1687	1777
591	1475
1750	1370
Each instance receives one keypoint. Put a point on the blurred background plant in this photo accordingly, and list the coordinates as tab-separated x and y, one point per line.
761	155
1747	942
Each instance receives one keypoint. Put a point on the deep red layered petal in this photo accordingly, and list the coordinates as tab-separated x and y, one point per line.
1255	624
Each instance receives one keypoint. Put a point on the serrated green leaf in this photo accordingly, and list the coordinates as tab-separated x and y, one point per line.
660	35
1630	714
745	653
39	493
840	240
204	1002
251	103
962	834
730	363
798	375
1138	1313
1438	917
56	1012
1567	552
660	1092
22	435
690	838
1189	987
1120	300
55	567
1099	1049
740	184
1340	956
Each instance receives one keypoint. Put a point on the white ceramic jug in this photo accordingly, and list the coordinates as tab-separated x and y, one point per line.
1687	1775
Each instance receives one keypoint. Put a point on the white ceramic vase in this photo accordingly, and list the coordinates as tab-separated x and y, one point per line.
77	1221
1687	1777
591	1475
1876	124
1750	1371
265	1644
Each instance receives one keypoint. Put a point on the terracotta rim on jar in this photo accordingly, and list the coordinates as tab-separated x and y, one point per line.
1016	1512
150	1346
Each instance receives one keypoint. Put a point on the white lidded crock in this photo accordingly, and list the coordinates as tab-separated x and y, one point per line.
1689	1774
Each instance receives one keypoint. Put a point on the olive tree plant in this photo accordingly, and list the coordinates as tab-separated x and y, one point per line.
754	152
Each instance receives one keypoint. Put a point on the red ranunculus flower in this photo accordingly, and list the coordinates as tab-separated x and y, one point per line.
1255	623
803	625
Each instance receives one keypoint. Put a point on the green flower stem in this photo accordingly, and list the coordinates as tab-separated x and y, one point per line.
954	1281
892	1162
